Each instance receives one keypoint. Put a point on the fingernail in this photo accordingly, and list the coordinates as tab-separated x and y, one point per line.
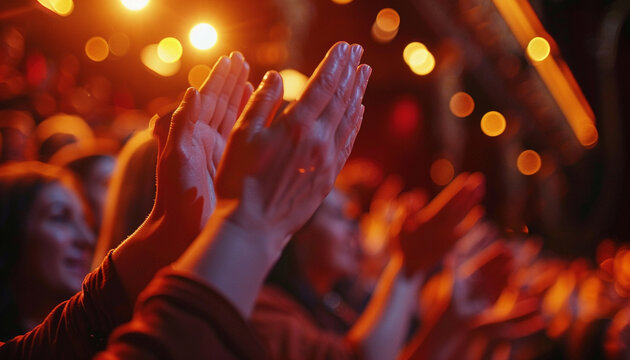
343	48
269	78
357	50
367	71
236	54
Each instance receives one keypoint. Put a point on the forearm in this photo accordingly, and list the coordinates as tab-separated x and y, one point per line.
153	246
232	258
381	330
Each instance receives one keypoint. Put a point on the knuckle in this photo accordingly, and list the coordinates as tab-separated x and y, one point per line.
327	83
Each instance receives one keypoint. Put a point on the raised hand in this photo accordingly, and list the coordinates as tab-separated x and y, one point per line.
427	235
280	166
191	145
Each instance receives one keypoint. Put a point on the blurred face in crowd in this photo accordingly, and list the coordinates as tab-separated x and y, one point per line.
58	242
330	241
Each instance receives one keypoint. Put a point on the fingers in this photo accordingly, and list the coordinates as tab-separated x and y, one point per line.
159	126
355	126
341	99
185	117
234	82
263	103
211	88
235	104
321	86
348	122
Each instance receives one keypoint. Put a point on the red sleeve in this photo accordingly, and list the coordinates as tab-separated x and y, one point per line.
290	333
177	317
77	328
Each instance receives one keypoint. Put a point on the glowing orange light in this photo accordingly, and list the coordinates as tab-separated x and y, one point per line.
388	20
385	27
493	123
461	104
410	49
294	83
442	172
150	59
538	49
419	58
135	5
96	49
198	74
118	44
169	50
528	162
203	36
59	7
342	2
525	25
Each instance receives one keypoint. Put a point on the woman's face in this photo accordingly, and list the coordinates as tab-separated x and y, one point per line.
58	242
333	237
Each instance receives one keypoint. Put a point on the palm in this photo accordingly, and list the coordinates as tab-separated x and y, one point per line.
191	151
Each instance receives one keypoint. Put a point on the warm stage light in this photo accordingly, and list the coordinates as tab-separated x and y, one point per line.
198	74
169	50
442	172
59	7
419	58
203	36
461	104
386	25
493	123
96	49
135	5
538	49
528	162
150	59
342	2
294	83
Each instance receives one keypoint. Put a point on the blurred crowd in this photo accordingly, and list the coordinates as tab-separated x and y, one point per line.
373	263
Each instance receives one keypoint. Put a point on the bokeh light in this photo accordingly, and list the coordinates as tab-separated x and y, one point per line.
118	44
528	162
96	49
169	50
294	83
59	7
588	135
442	172
461	104
151	60
493	123
385	27
203	36
538	49
342	2
419	58
198	74
135	5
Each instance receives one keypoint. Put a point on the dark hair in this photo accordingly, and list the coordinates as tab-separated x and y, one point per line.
20	183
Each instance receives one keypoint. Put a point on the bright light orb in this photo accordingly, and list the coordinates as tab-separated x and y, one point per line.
59	7
169	50
203	36
411	48
151	60
425	67
294	83
538	49
342	2
135	5
493	123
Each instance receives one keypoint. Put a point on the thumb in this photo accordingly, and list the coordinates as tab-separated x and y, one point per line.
263	103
